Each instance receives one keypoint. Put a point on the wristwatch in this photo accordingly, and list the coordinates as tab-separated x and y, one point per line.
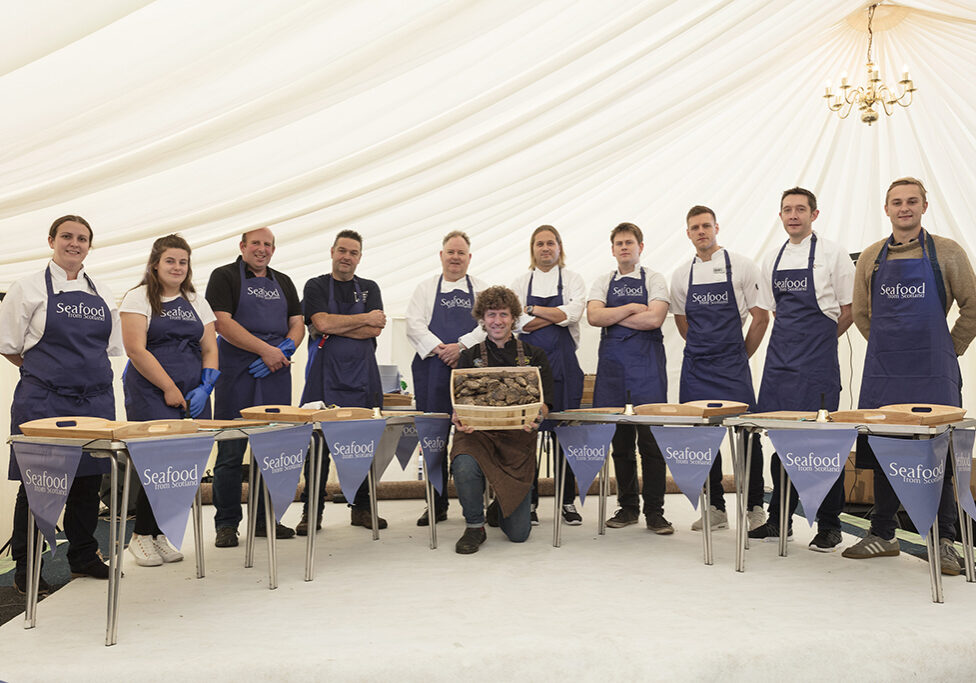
529	309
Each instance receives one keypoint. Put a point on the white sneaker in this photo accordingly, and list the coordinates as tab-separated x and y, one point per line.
756	517
167	552
720	520
144	550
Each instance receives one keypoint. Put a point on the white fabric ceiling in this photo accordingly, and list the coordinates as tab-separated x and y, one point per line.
405	120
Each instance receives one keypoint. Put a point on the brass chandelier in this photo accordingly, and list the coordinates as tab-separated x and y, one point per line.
876	91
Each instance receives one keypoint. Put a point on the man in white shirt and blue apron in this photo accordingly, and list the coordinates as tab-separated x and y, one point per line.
808	284
904	287
711	298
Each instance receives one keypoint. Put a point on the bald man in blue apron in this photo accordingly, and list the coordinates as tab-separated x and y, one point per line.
904	288
260	323
345	316
711	298
807	283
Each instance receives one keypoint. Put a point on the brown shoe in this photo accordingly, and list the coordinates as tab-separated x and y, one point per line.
302	528
360	516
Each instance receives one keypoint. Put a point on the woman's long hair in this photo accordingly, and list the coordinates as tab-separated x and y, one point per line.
151	277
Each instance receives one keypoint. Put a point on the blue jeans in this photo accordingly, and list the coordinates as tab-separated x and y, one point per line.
470	483
227	485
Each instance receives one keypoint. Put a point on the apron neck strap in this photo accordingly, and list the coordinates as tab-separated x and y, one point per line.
519	351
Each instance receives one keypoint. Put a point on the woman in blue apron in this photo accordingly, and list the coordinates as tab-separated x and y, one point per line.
910	359
66	372
632	368
432	377
801	368
716	365
169	337
567	379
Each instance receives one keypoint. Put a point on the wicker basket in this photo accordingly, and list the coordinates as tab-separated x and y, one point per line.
497	417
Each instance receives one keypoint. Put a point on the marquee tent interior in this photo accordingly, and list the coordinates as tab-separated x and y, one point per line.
405	120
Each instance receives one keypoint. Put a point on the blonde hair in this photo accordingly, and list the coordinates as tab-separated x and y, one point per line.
907	180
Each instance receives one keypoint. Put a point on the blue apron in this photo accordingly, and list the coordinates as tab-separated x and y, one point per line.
557	342
910	356
629	361
173	338
67	373
715	366
801	360
450	320
263	311
342	370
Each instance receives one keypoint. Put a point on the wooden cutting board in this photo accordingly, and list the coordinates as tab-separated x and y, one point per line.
784	415
925	413
75	427
867	416
280	413
230	424
597	411
692	408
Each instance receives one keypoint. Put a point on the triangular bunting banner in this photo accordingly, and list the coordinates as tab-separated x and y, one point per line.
406	445
814	459
962	448
280	455
433	433
47	472
586	447
689	452
916	470
352	444
170	471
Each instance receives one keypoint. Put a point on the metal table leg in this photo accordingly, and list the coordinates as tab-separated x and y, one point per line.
604	492
706	503
746	478
115	552
35	543
560	465
372	503
198	533
431	514
965	526
935	566
269	525
317	452
252	518
784	507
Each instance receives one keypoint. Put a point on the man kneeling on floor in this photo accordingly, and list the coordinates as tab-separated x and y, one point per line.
505	457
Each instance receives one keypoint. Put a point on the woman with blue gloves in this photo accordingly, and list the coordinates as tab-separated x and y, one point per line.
168	333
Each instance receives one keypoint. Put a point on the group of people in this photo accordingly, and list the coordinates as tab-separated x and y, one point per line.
454	320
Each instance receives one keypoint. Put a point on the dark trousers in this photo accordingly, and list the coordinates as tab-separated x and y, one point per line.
569	484
227	485
80	520
440	499
756	491
653	468
828	516
145	518
362	494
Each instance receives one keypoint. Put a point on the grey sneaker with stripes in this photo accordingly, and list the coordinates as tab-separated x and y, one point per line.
872	546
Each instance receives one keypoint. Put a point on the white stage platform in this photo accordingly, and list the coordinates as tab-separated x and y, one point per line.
626	606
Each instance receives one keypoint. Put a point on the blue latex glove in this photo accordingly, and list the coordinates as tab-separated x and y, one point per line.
196	400
259	369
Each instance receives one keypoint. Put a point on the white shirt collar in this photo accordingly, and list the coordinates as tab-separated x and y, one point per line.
635	273
717	254
59	274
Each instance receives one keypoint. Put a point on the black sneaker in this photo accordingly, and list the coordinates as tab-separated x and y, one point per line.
424	519
302	528
826	541
281	531
623	517
533	517
658	524
20	583
571	516
95	569
470	541
769	533
226	537
493	514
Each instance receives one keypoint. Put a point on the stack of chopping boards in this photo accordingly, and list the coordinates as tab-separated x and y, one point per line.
902	414
73	427
283	413
692	408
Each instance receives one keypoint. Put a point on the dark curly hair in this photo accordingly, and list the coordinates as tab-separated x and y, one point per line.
496	298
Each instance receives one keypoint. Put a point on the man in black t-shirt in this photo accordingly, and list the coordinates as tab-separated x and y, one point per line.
345	315
259	319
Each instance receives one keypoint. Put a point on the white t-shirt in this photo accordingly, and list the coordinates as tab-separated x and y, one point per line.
23	311
655	284
546	285
136	301
833	274
420	310
745	280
